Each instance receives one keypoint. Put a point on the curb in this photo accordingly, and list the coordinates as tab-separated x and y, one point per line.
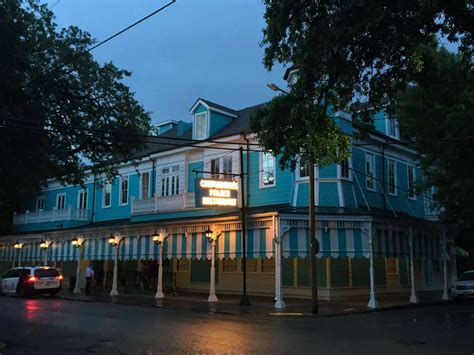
271	312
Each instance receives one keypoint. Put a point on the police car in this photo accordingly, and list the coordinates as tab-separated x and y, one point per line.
464	287
29	281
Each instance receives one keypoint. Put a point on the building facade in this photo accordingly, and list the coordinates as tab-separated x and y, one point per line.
377	233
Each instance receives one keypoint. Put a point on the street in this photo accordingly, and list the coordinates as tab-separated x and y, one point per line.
53	326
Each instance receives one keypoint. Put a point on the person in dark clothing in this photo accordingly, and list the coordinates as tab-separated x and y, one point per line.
89	277
99	278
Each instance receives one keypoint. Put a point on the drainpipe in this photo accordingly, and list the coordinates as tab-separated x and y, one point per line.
383	178
93	199
248	170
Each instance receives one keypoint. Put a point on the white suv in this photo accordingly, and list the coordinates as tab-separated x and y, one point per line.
26	281
464	287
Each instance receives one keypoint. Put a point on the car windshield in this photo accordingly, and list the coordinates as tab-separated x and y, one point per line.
46	273
467	276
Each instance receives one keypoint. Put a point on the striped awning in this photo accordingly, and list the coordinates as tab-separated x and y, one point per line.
352	243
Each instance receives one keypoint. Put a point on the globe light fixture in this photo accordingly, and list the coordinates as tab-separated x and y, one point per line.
43	245
112	240
18	245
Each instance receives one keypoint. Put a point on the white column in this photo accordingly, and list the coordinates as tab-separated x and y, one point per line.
159	289
373	303
212	289
413	296
77	289
114	291
279	301
445	295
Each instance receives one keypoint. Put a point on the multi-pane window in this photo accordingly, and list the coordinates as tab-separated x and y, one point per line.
411	181
82	200
345	169
170	181
370	171
60	201
124	190
230	265
215	168
40	203
107	195
227	167
392	127
392	177
268	265
145	185
268	170
200	129
303	169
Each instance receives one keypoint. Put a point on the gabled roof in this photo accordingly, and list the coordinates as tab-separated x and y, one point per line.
213	106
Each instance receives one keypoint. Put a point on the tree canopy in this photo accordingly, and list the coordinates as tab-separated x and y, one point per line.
61	111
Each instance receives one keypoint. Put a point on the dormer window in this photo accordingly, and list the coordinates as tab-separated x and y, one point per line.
392	128
200	126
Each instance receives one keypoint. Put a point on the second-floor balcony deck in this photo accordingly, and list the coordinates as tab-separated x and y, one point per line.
54	215
163	204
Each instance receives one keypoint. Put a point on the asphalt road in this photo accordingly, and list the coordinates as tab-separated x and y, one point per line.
52	326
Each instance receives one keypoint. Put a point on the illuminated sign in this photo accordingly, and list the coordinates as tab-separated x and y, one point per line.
220	193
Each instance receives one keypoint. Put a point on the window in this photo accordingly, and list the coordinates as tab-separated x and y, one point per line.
267	176
182	265
124	190
215	168
170	181
82	200
391	265
268	265
107	196
40	203
303	169
344	166
392	177
411	182
60	201
227	167
145	185
392	128
200	126
230	265
370	171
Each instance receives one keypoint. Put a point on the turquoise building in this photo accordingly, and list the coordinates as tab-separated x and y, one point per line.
376	231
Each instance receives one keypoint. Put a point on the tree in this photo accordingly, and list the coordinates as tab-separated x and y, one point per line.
61	112
437	112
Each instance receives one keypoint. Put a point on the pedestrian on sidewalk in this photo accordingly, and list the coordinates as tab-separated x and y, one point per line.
89	277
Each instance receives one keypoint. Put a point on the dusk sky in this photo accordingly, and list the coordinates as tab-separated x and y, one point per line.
194	48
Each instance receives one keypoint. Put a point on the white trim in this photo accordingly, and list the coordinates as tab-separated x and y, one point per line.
78	197
57	200
150	173
387	130
339	171
196	104
120	203
215	109
340	195
297	173
344	115
260	175
207	120
395	180
36	203
295	193
103	195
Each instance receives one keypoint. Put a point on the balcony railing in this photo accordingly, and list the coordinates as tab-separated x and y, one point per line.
163	203
55	215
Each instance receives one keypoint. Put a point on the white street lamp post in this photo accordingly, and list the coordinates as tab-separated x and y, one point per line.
160	238
413	296
212	237
445	295
373	303
115	241
78	244
279	301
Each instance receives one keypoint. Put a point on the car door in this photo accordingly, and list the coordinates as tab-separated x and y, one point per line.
13	280
6	281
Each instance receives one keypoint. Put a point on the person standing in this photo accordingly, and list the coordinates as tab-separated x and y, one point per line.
89	277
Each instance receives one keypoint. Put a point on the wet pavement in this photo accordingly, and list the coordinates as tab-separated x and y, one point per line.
260	306
57	326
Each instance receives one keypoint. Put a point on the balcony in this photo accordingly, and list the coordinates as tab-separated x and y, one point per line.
162	204
55	215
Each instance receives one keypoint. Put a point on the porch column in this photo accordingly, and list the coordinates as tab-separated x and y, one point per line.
114	291
279	301
445	295
77	289
373	303
159	289
413	296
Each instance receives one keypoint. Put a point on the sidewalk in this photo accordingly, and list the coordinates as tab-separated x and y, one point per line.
260	306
